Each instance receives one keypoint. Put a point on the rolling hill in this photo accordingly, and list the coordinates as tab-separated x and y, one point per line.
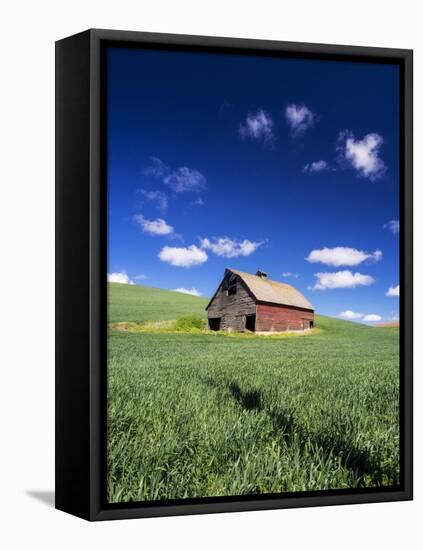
138	304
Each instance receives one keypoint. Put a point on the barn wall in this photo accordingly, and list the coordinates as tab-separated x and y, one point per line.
279	318
232	309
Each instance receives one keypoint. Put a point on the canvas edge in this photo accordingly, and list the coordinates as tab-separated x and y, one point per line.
72	214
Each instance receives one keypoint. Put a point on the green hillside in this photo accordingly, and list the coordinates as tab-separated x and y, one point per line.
137	304
198	415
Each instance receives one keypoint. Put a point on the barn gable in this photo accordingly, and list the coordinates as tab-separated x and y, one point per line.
231	303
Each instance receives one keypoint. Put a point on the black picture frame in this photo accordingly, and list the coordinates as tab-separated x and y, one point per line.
81	250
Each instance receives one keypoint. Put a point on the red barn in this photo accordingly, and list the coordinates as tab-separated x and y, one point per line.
246	302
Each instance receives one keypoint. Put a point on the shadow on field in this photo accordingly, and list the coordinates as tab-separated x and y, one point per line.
249	400
358	460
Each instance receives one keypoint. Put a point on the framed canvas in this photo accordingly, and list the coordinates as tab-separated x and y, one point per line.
233	226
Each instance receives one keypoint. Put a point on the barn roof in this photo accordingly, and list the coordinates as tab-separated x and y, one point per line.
266	290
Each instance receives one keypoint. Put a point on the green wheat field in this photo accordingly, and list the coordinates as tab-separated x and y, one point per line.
192	414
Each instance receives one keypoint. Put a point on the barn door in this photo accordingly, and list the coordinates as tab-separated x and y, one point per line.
250	323
214	323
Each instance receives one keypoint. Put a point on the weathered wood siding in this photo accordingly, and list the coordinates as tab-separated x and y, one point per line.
232	309
275	318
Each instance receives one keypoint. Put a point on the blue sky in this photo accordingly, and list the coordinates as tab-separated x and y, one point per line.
287	165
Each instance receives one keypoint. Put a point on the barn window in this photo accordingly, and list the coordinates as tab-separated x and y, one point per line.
232	285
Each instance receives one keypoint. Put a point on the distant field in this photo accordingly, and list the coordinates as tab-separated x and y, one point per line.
194	415
135	303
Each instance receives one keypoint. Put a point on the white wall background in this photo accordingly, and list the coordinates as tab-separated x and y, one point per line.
28	31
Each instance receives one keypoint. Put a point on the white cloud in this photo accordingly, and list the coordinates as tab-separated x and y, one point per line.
289	274
258	126
316	166
348	314
341	279
198	202
156	196
342	255
185	179
230	248
119	278
299	118
372	318
154	227
351	315
393	291
181	180
183	257
191	291
393	226
140	277
157	168
362	155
